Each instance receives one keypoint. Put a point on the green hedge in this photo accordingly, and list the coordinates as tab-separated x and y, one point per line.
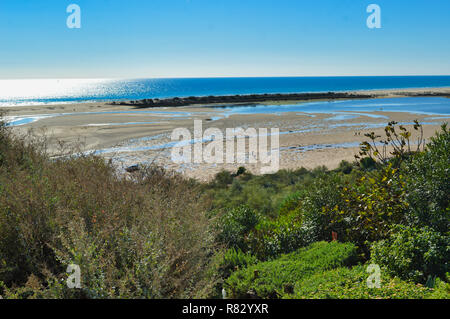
346	283
413	253
271	279
428	184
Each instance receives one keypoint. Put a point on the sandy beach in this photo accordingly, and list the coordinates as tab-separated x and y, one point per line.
130	135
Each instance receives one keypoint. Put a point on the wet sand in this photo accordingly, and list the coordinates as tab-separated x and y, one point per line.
129	135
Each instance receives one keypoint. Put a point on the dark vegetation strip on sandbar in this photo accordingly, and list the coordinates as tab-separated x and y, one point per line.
252	98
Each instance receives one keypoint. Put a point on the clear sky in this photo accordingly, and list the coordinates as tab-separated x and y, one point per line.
203	38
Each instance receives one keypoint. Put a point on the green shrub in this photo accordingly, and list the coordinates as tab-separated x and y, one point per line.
291	204
369	206
367	164
233	260
321	196
394	148
223	179
151	237
272	237
345	167
146	237
300	220
262	193
441	289
351	283
234	226
413	253
271	278
428	184
241	170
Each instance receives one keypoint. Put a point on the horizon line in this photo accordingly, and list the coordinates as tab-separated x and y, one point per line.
217	77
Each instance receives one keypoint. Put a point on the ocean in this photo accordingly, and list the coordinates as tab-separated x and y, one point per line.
55	91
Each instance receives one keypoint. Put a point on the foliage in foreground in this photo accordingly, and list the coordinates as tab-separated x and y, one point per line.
428	184
324	271
412	253
142	238
351	283
271	278
157	235
381	205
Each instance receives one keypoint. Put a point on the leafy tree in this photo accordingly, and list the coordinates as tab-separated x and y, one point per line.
413	253
235	225
428	184
369	206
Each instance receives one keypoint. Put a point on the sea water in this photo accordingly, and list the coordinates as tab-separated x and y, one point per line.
54	91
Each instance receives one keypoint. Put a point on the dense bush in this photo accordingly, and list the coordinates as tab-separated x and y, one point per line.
233	260
158	235
320	197
235	225
291	204
142	237
271	279
428	184
351	283
345	167
222	179
300	220
272	237
441	289
262	193
413	253
369	206
367	164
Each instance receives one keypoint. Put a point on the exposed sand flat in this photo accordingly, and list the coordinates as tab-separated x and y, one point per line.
129	135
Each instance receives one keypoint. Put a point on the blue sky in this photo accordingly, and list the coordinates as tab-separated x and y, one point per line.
203	38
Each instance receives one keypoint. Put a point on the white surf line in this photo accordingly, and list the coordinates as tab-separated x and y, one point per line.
28	119
124	123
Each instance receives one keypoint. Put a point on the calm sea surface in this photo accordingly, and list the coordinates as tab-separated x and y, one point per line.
48	91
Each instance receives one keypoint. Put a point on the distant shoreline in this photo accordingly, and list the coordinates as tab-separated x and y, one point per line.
278	97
